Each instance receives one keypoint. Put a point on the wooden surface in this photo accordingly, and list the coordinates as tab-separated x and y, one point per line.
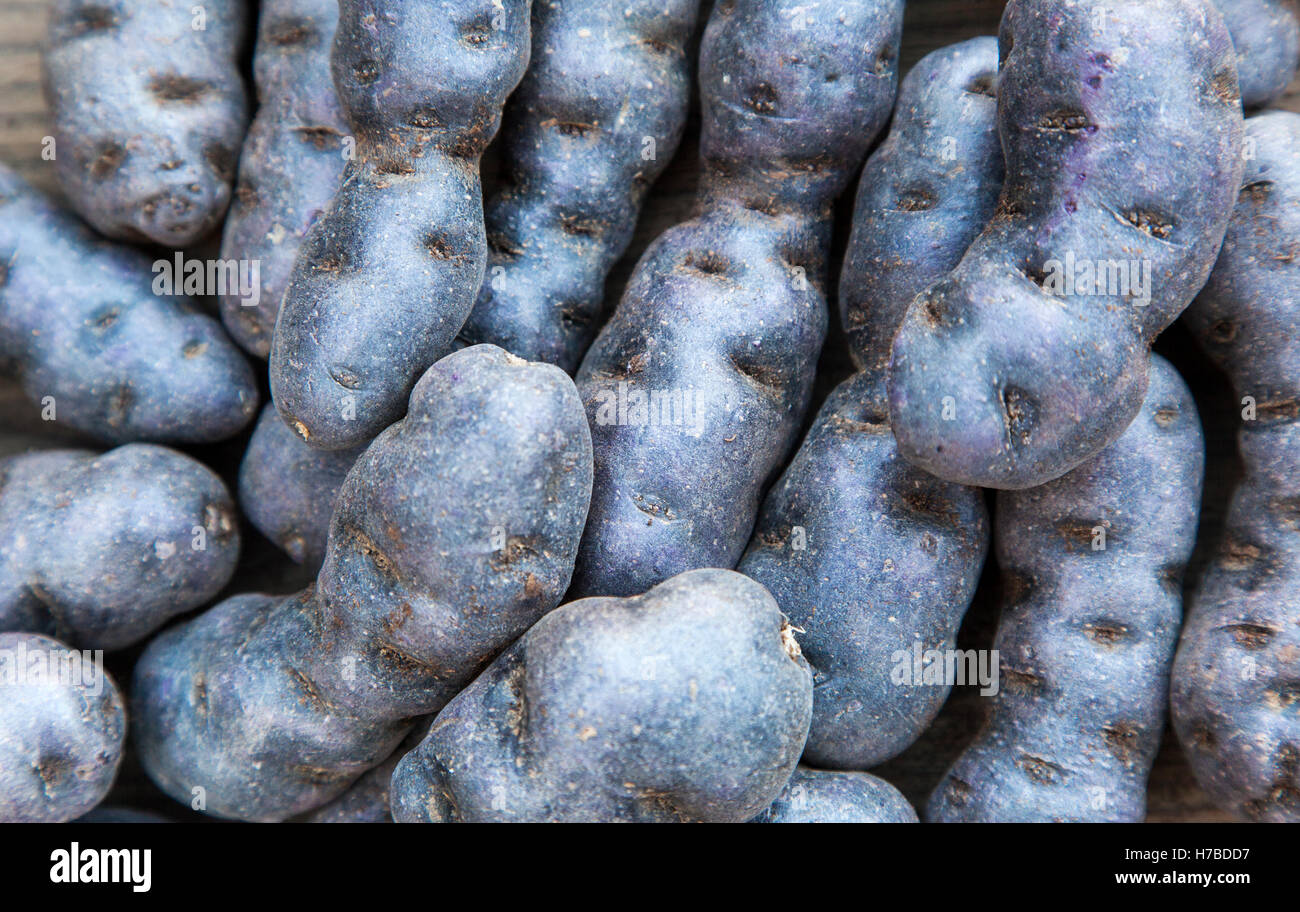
1174	795
22	106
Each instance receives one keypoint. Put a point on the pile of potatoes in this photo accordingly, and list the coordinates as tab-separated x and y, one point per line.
571	556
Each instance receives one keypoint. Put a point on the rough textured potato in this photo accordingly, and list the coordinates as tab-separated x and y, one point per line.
83	332
867	555
149	111
287	489
1266	34
1121	123
726	312
1092	567
820	796
688	703
101	550
450	537
60	737
595	121
1236	684
291	162
924	195
385	279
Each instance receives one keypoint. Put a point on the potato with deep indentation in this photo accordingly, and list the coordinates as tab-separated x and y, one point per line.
697	386
595	121
1092	570
453	533
924	195
688	703
386	277
149	111
1121	124
1236	684
291	162
868	555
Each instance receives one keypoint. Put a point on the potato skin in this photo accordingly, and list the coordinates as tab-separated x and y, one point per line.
605	77
449	538
149	113
997	379
728	307
288	489
291	162
688	703
1087	635
79	322
385	279
1235	680
822	796
924	195
867	555
60	742
100	550
1266	34
365	801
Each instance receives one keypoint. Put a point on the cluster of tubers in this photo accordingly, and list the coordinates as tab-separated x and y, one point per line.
569	558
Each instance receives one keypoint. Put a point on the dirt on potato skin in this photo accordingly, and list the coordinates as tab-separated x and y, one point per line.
1266	34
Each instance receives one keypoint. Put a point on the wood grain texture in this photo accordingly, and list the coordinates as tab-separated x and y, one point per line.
929	24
